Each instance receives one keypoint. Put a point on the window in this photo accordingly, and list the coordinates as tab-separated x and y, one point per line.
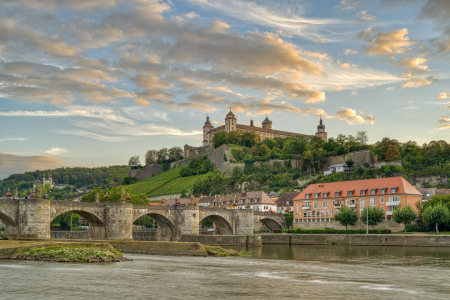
325	195
313	213
346	202
363	192
256	200
309	214
372	201
316	204
304	214
394	199
362	202
332	211
327	213
373	192
350	193
316	195
307	196
287	202
337	194
324	204
394	190
383	191
361	210
298	209
307	203
332	202
381	200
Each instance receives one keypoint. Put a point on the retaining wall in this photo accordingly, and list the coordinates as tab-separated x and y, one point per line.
69	235
221	240
148	235
282	239
395	227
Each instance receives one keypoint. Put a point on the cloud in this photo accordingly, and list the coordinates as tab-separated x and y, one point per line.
386	44
409	108
354	93
414	66
350	52
56	151
349	5
316	96
13	164
443	96
365	17
352	117
419	82
345	65
12	139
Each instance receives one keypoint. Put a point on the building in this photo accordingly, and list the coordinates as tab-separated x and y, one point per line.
265	131
320	202
258	201
285	203
336	169
44	181
205	201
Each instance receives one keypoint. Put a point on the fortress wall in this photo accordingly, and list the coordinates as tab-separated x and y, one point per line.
359	157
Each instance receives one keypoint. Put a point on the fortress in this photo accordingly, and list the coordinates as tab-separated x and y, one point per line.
265	131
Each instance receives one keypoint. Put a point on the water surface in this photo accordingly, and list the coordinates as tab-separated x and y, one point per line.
274	272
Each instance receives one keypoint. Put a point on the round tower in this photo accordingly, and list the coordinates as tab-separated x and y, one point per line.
321	130
267	123
206	128
230	122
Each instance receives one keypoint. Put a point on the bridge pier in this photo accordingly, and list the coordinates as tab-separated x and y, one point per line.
34	217
119	221
243	220
188	221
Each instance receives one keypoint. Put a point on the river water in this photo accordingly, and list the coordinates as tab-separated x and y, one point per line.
274	272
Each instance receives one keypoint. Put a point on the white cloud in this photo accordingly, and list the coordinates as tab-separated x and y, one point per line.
12	139
56	151
443	96
350	52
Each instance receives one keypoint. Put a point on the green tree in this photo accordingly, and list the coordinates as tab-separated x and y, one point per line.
436	214
220	138
239	154
249	139
134	161
392	153
375	216
346	216
404	215
175	153
270	143
289	217
234	138
151	157
261	151
163	155
361	137
350	163
207	223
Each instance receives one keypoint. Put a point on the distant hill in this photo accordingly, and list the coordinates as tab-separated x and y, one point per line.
169	182
78	177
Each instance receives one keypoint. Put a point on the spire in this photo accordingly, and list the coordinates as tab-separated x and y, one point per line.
320	119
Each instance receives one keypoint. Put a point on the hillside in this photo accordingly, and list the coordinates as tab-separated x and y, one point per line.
169	182
79	177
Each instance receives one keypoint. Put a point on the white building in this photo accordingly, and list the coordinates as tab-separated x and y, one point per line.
336	169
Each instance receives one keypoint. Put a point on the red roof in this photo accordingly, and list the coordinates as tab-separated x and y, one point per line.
443	192
154	203
404	187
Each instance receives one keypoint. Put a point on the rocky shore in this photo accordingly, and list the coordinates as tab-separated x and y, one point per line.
79	253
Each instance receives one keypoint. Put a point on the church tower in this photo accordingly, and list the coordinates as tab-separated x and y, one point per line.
321	130
230	122
206	136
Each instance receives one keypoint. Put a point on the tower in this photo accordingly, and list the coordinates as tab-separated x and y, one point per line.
206	128
321	130
251	123
267	123
230	122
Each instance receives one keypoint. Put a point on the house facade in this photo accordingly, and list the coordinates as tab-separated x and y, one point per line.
318	203
285	203
258	201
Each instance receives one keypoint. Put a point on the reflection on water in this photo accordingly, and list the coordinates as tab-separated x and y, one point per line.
274	272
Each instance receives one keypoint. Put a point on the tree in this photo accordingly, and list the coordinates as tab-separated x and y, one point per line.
249	139
350	163
361	137
392	153
233	138
346	216
436	214
151	157
404	215
261	151
175	153
134	161
220	138
163	155
183	193
375	216
207	223
129	180
239	154
308	159
270	143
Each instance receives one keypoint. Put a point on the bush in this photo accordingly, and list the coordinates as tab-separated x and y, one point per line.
277	231
338	231
224	157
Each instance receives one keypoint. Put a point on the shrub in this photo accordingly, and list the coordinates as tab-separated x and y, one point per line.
277	231
224	157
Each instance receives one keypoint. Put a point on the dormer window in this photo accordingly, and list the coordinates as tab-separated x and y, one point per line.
383	191
363	192
394	190
373	191
316	195
325	195
350	193
307	196
337	194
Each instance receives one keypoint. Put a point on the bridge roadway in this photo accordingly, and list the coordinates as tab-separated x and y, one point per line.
115	220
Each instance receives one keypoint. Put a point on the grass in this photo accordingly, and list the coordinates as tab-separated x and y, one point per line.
237	146
146	186
175	186
219	251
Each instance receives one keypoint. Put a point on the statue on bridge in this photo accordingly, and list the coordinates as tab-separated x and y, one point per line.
38	192
191	200
247	204
122	196
15	193
97	198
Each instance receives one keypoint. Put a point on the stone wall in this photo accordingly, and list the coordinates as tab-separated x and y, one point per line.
148	172
388	163
147	235
359	157
395	227
407	240
160	248
221	240
69	235
161	197
216	157
186	161
280	239
420	182
192	151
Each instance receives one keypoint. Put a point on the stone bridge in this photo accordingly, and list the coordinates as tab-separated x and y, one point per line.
115	220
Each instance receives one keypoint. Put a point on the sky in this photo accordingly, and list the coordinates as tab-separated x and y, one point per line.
94	82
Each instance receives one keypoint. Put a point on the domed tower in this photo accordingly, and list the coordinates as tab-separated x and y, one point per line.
206	128
321	130
230	122
267	123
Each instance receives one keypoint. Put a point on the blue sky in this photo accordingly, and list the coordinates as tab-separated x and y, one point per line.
93	82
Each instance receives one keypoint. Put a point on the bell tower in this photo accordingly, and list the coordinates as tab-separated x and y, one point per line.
206	128
230	122
321	130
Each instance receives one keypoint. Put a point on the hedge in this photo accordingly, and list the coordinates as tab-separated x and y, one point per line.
337	231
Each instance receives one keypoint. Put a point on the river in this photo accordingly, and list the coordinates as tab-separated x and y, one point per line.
273	272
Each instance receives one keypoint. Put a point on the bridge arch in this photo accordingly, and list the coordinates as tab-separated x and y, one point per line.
222	219
97	229
271	224
166	230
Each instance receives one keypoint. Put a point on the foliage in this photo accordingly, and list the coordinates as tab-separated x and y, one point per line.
129	180
350	163
197	166
134	161
346	216
337	231
220	138
261	150
151	157
224	157
375	216
238	153
436	214
289	217
114	194
405	215
207	223
63	220
148	185
176	185
392	153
